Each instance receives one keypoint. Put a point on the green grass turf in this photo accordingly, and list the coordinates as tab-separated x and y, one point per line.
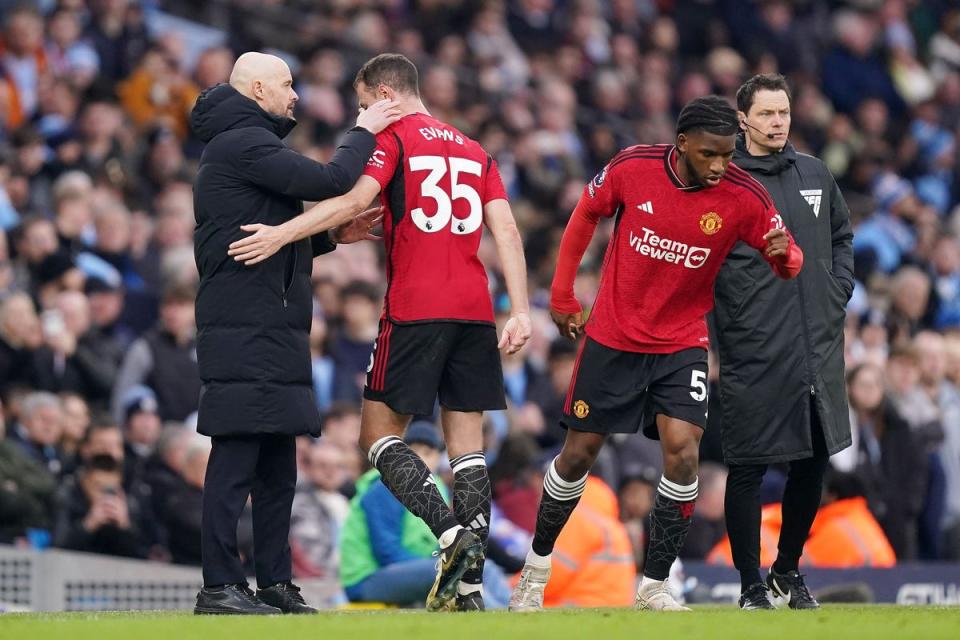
847	622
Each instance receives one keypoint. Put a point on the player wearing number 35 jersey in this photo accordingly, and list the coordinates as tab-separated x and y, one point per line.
678	210
438	190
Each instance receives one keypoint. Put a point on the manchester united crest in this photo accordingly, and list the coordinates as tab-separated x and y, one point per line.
710	223
581	409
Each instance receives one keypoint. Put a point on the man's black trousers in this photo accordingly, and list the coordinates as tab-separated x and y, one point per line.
801	499
263	467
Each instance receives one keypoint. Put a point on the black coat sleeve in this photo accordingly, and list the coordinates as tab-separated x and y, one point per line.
270	164
841	232
321	244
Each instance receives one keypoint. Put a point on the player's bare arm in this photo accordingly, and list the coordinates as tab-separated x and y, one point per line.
499	219
266	240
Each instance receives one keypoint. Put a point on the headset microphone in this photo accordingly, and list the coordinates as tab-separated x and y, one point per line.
770	136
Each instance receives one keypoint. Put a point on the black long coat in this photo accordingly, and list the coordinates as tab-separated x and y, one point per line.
253	323
781	342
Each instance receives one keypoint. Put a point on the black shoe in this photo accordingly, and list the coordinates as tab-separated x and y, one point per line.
791	587
236	599
286	597
755	597
463	554
470	602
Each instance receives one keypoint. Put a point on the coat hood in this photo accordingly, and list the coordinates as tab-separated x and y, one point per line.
770	164
221	108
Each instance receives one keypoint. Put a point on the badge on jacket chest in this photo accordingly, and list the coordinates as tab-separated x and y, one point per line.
813	197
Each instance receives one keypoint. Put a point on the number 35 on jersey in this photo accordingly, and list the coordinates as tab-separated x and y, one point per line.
438	167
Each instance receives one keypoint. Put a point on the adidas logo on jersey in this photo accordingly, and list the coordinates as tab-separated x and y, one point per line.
646	207
653	246
813	198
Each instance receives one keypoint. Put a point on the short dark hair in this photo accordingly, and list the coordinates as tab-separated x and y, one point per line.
392	69
359	288
102	462
760	82
179	293
712	114
99	422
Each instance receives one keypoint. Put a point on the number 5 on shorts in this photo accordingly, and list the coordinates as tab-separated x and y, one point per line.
698	382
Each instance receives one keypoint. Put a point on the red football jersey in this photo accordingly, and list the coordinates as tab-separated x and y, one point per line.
667	247
434	183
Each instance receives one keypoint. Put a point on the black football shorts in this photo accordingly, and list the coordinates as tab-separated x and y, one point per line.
412	364
615	391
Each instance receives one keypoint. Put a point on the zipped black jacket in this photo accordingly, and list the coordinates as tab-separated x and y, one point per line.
781	342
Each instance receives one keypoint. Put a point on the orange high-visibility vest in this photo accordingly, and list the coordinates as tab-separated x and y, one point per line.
14	116
844	534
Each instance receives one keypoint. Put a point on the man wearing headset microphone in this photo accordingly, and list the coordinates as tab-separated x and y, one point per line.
780	343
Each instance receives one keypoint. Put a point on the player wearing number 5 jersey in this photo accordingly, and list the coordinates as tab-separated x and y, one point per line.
678	210
438	189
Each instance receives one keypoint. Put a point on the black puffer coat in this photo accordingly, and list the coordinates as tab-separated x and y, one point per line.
253	323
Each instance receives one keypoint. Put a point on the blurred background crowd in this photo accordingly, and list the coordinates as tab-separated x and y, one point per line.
98	374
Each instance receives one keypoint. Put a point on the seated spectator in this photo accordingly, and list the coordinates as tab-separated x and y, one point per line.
157	93
70	359
341	427
386	552
163	473
26	492
888	462
185	507
96	515
321	363
319	511
550	390
112	334
57	273
20	336
165	360
141	428
516	481
594	563
353	341
37	434
76	421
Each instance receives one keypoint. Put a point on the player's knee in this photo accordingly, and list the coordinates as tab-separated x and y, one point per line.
681	464
574	464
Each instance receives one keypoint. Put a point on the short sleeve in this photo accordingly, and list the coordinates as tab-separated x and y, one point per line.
493	188
383	162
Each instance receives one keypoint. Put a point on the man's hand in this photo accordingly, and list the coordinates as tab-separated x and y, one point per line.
570	325
379	116
98	515
264	242
777	243
359	228
515	333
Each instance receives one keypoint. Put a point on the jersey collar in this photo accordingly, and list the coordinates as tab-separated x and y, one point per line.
670	166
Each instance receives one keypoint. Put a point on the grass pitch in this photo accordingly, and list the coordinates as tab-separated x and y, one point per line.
847	622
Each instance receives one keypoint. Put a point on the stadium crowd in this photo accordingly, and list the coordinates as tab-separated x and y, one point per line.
98	374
